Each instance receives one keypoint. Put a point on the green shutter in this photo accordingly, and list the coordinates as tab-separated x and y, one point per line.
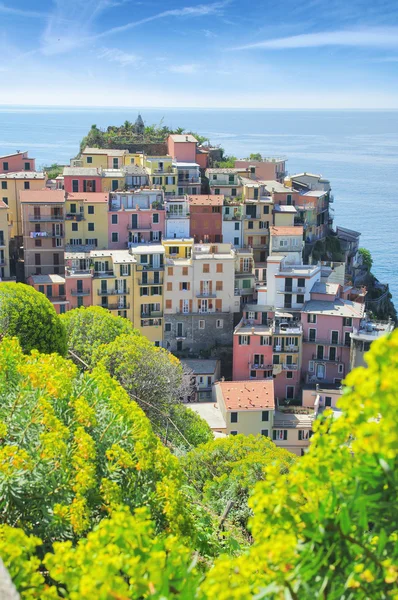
285	434
274	435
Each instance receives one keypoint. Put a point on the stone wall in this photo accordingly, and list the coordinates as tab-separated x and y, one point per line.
199	340
149	148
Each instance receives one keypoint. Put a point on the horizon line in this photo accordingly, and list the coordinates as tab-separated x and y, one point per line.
230	108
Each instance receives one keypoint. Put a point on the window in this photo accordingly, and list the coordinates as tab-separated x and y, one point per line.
234	417
237	226
311	366
3	185
264	432
340	369
233	192
169	270
62	309
303	434
167	327
144	291
219	286
234	433
219	268
250	225
37	242
89	160
124	270
219	323
335	337
311	318
214	177
288	199
328	401
244	340
347	322
91	226
300	298
5	166
264	340
236	241
5	200
75	185
265	415
332	353
115	185
301	282
320	371
347	338
155	218
26	185
155	290
266	210
168	304
275	359
37	259
114	219
169	286
311	335
253	374
115	163
279	434
90	210
115	236
201	324
206	268
75	227
217	191
179	346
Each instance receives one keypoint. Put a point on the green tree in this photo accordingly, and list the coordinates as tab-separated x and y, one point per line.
194	429
256	157
366	256
228	162
88	328
31	317
54	170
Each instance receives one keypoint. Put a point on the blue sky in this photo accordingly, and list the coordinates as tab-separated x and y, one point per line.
228	53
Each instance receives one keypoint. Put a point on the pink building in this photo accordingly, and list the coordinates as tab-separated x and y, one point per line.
135	217
182	147
53	287
252	345
328	321
267	169
78	279
19	161
82	179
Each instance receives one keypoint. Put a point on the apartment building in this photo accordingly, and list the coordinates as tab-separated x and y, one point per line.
244	275
79	272
205	373
287	240
135	217
82	179
53	287
4	242
199	296
17	162
43	226
206	218
256	226
177	218
188	178
11	186
148	284
268	168
182	147
162	173
224	181
101	158
113	180
86	221
112	281
232	223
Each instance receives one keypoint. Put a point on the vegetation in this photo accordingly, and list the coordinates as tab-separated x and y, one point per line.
54	170
255	157
328	249
227	162
120	517
31	317
130	133
367	260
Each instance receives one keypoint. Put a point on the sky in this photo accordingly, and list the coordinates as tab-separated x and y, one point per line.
222	54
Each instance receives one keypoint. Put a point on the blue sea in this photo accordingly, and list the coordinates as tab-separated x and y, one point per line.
356	150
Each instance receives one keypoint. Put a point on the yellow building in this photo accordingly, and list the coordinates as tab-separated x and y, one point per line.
106	158
4	242
162	173
148	281
112	283
11	184
256	225
86	221
113	180
137	159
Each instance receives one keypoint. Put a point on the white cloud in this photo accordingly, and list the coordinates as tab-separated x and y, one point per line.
8	10
188	68
376	37
119	56
209	34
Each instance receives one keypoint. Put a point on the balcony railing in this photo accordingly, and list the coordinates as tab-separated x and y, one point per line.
138	227
75	217
80	247
293	290
317	358
117	306
188	181
261	366
327	342
288	329
113	292
150	283
46	218
285	349
104	274
206	295
289	367
45	234
71	272
82	292
57	298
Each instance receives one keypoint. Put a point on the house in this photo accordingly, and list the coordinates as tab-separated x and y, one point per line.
53	287
100	158
205	373
287	241
43	227
188	178
11	186
162	173
82	179
5	228
182	147
17	162
225	181
206	218
232	223
177	217
86	221
112	281
79	272
244	274
266	168
363	336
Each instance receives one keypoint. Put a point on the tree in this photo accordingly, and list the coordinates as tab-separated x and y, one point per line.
256	157
54	170
194	429
88	328
366	256
228	162
31	317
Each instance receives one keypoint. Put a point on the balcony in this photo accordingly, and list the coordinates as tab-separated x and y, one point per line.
288	329
113	292
104	274
206	295
82	292
183	215
141	227
189	181
327	342
86	248
261	366
74	217
153	322
45	234
71	272
289	367
292	290
57	298
117	306
46	218
285	349
154	314
316	358
150	283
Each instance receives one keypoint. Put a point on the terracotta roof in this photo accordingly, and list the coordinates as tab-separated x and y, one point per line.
44	195
88	197
286	230
184	137
247	395
47	279
3	204
206	200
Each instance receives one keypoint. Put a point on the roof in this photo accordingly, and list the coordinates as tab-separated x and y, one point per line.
184	137
285	208
107	151
201	366
37	279
325	288
316	193
88	197
44	195
118	256
293	420
135	170
275	186
207	200
337	308
286	230
112	173
14	154
210	412
313	175
185	165
347	232
89	171
147	249
247	395
23	175
225	170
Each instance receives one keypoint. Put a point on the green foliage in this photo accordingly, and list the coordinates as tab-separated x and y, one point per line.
255	157
228	469
31	317
88	328
328	249
228	162
194	429
54	170
367	260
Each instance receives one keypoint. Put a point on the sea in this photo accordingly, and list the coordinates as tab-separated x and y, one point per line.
356	150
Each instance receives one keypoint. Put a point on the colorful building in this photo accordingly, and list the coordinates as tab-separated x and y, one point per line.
43	217
204	374
4	242
206	218
11	186
53	287
267	168
182	147
86	221
17	162
177	218
104	158
82	179
188	178
226	182
162	173
79	272
232	223
112	281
